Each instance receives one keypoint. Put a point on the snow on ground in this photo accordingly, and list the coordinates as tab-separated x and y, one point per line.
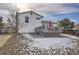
52	42
47	42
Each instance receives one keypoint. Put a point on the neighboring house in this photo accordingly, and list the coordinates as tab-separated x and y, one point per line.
49	27
76	27
28	21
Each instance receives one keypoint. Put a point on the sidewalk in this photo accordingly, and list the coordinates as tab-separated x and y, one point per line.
3	39
71	36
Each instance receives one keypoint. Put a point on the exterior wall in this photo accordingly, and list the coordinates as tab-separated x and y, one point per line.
33	22
47	25
53	29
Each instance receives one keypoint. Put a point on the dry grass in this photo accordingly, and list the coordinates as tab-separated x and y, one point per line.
3	39
11	46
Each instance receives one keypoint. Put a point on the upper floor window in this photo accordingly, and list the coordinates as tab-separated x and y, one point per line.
38	18
26	19
31	13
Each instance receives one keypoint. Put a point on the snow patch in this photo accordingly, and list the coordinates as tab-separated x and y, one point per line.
28	36
52	42
48	42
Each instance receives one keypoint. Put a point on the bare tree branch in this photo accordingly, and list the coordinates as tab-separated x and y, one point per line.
12	13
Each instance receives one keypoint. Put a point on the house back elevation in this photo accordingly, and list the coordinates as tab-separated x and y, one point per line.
28	21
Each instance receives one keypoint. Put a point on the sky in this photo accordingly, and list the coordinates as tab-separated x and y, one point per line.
50	11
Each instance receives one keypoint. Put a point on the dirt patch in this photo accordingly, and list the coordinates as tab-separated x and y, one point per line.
11	47
4	39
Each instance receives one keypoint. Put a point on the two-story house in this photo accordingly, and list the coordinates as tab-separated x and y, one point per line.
28	21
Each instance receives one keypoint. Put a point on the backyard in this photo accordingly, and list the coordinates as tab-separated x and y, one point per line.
32	44
54	41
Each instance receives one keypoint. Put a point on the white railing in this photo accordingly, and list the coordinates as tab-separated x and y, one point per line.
52	31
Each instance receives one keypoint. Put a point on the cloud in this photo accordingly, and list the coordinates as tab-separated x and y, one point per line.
5	6
44	9
53	8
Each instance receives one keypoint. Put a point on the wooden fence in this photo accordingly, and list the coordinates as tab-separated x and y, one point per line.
6	30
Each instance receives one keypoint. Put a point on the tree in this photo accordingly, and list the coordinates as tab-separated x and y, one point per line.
13	19
66	23
1	24
14	13
1	20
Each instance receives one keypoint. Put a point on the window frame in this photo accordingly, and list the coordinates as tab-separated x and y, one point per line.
26	19
38	18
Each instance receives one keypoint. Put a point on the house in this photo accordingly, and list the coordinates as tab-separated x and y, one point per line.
49	27
28	21
76	27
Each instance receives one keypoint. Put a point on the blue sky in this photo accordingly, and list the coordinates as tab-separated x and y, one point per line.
50	11
72	15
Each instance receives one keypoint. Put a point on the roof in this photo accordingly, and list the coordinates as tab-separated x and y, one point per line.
47	21
33	12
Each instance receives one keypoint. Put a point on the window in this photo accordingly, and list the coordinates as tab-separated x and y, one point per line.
26	19
38	18
31	13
